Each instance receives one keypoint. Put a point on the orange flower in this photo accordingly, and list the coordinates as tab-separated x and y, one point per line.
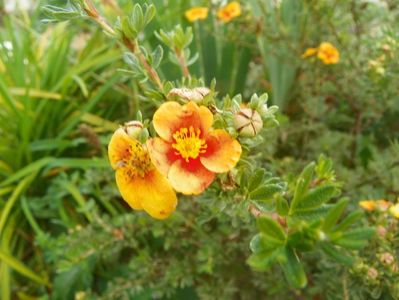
328	54
188	152
141	185
196	13
229	12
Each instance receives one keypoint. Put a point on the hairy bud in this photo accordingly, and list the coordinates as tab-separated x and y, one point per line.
197	94
248	122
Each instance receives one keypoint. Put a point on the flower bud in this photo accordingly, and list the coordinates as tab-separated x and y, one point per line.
197	94
372	273
248	122
133	128
387	258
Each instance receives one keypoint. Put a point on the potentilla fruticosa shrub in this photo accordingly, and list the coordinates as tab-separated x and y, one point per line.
194	139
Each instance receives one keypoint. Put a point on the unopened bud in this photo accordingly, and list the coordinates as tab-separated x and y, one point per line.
197	94
372	273
133	128
248	122
381	231
387	258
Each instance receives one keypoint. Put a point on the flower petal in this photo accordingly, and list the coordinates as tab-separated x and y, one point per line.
118	147
162	154
171	116
152	193
223	152
189	178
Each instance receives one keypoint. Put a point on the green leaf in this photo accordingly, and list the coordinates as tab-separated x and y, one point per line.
137	18
282	206
335	254
157	56
263	261
265	192
351	244
271	229
303	183
256	179
21	268
334	214
359	233
349	220
293	269
315	198
312	214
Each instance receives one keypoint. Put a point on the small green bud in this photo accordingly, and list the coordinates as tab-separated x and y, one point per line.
133	129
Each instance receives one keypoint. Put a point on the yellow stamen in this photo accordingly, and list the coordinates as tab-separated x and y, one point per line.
188	143
136	162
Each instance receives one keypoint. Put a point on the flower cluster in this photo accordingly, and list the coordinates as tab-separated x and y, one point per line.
184	157
224	14
326	52
380	205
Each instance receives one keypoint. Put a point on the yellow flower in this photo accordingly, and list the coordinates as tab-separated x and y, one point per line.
368	205
196	13
371	205
309	52
141	185
328	54
394	210
229	12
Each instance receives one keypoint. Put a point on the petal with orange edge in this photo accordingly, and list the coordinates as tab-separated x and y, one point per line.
171	116
162	154
152	193
118	147
223	152
189	179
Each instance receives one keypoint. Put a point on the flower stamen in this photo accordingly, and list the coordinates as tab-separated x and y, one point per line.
137	161
188	143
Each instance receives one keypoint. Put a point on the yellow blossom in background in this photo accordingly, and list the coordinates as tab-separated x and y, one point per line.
368	205
309	52
394	210
371	205
328	54
196	13
229	12
140	183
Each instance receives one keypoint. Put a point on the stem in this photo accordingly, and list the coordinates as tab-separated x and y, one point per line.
182	63
133	46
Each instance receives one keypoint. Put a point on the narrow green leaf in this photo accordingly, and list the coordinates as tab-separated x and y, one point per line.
265	192
314	198
293	269
334	214
303	183
335	254
21	268
271	228
256	179
352	218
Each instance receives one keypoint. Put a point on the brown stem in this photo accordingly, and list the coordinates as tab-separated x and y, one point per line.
182	63
133	46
